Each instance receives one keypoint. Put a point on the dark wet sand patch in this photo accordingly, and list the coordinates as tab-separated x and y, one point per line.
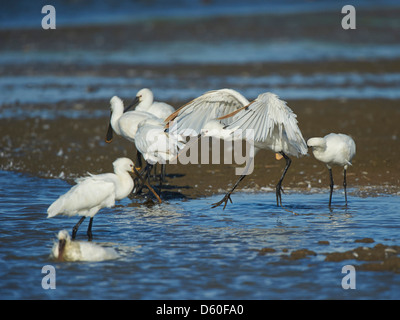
380	257
68	148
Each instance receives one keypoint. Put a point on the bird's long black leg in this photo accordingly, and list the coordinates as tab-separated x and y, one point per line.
162	175
155	172
228	195
149	167
138	164
279	185
89	230
146	174
345	185
76	227
138	159
163	171
331	186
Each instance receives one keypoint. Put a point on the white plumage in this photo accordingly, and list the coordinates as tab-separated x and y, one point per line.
67	250
156	145
267	123
274	125
123	122
335	149
93	193
191	118
145	102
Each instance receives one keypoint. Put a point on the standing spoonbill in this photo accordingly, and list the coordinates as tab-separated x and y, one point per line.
275	128
144	101
125	123
334	149
93	193
272	121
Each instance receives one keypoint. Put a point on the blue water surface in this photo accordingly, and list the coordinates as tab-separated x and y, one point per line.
183	249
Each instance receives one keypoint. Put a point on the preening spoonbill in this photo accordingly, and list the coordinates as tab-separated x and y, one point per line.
144	101
273	123
93	193
334	149
67	250
155	144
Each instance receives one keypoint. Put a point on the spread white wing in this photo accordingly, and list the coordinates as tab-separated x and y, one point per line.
273	124
191	118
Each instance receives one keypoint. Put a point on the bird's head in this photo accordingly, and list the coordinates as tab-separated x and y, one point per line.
316	143
212	128
142	95
116	102
63	239
123	164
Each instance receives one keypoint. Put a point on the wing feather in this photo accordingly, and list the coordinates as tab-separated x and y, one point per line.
85	198
274	124
211	105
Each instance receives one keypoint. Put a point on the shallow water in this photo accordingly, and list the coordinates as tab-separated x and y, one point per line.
50	89
185	250
89	80
94	12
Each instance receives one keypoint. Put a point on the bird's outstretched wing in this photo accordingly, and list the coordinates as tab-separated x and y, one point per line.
191	117
272	122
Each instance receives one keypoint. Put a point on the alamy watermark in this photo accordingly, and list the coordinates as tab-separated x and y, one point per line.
49	20
349	20
49	280
349	280
192	148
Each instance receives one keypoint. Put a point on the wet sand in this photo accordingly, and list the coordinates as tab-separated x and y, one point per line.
67	148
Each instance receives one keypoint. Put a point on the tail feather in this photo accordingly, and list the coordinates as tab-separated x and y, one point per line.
55	208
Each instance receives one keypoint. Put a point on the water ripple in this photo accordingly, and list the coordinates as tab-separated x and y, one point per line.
184	249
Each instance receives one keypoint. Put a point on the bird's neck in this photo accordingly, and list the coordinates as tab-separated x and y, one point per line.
125	184
115	116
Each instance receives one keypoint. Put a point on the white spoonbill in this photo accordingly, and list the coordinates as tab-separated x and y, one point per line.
67	250
273	123
144	101
124	122
155	144
93	193
334	149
